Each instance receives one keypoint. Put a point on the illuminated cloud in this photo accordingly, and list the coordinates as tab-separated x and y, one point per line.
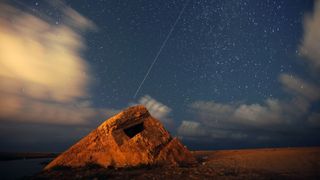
191	128
43	76
257	114
300	87
218	114
212	110
156	108
238	121
194	129
310	44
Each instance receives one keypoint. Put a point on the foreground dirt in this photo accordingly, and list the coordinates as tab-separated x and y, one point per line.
277	163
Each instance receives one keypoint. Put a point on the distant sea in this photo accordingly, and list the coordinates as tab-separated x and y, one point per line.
17	169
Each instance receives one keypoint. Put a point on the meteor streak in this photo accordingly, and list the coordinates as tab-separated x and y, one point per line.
160	50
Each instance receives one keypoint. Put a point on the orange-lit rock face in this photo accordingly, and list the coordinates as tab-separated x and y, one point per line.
130	138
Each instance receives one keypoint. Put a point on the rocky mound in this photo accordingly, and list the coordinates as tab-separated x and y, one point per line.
131	138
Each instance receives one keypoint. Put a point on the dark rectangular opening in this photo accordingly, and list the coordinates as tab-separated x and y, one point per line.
134	130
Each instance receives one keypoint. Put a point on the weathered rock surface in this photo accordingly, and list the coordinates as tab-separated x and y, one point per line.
131	138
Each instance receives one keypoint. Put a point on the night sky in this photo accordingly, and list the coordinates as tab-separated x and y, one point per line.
229	73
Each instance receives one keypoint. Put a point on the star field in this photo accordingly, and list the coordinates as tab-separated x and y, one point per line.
226	54
227	51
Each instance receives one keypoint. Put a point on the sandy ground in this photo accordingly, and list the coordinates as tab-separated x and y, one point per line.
275	163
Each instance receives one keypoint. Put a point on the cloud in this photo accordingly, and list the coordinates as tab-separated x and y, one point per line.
269	113
219	114
239	121
43	75
216	121
212	110
310	43
156	108
195	130
300	87
191	128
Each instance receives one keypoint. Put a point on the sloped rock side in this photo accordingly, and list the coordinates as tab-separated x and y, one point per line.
131	138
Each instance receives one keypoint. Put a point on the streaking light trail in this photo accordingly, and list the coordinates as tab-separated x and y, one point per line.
161	48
